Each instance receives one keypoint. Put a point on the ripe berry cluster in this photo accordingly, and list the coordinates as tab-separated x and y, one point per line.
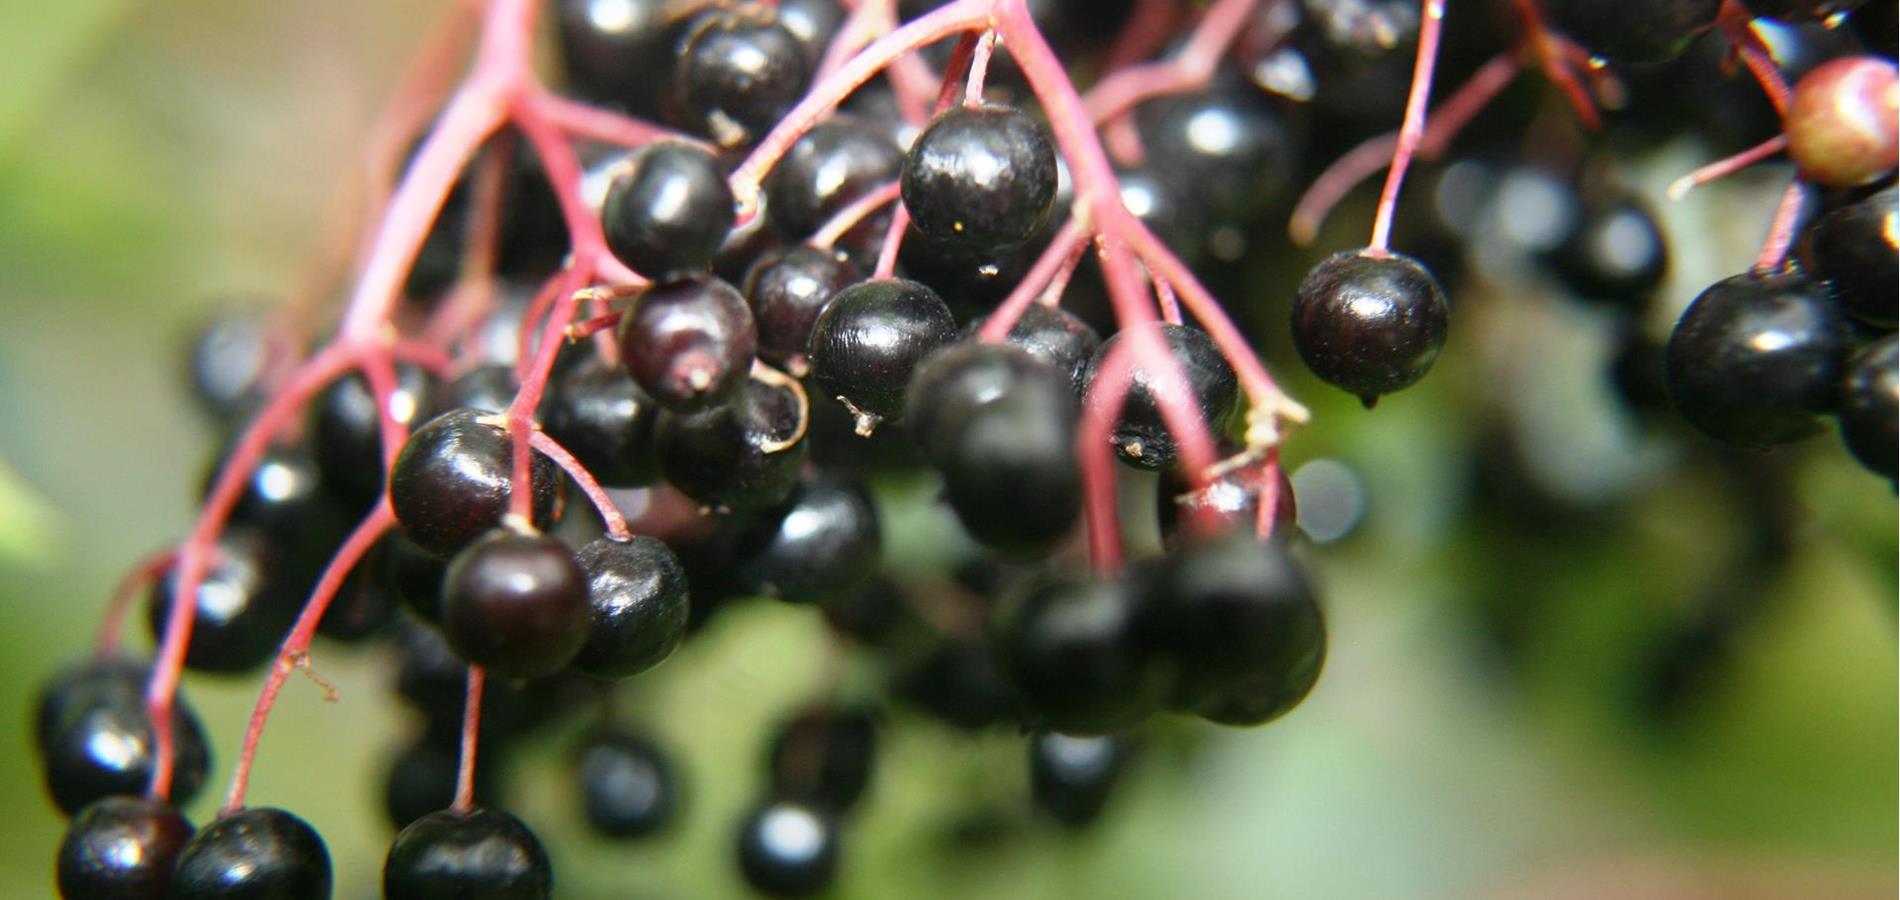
854	249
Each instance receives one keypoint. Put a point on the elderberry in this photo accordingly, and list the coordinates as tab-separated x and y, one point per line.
121	848
1369	323
825	541
788	849
479	854
516	604
1142	437
453	479
627	785
739	72
688	342
1756	358
668	209
254	853
980	177
637	606
1870	405
870	338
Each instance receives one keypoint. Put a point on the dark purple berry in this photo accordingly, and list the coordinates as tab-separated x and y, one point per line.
1870	405
600	415
745	454
422	778
347	432
1615	254
824	757
1369	324
1074	651
516	604
1757	358
825	541
1142	437
254	854
739	72
1857	250
980	177
81	687
1226	152
1071	778
637	606
668	209
627	785
786	290
688	342
105	746
868	341
244	606
837	162
480	854
452	481
788	850
1055	336
121	848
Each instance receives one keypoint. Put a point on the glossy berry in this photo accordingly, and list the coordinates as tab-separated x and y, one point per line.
1632	31
1756	358
637	606
840	160
481	854
244	605
1230	500
1074	651
739	72
1141	437
980	177
1870	404
1843	123
1857	250
487	388
1225	152
1055	336
347	435
786	290
1369	324
999	425
961	683
1614	254
825	541
121	848
743	455
516	604
667	210
788	849
107	747
600	415
285	501
229	360
620	52
813	22
452	480
1233	610
83	686
627	785
824	758
254	854
688	342
1071	778
868	341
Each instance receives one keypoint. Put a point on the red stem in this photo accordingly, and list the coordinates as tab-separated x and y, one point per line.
1430	25
609	513
1723	168
856	211
471	736
1774	249
143	574
295	651
1068	244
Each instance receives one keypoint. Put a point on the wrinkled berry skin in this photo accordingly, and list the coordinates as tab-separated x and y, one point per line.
982	177
1370	324
1756	358
689	342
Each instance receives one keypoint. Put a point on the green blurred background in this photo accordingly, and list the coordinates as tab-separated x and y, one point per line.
1476	733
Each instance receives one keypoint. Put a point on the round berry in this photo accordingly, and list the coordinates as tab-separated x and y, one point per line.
347	432
999	425
481	854
688	342
121	848
824	758
668	209
452	480
620	52
1870	404
870	338
840	160
488	388
1231	499
1074	651
788	849
786	290
627	785
1055	336
600	415
980	177
422	778
637	606
1234	609
1615	254
81	687
1857	250
254	853
825	541
106	747
516	604
243	606
1756	358
739	72
1142	437
1225	152
1071	778
1843	123
1370	324
745	454
229	361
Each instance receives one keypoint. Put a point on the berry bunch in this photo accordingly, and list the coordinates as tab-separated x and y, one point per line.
852	253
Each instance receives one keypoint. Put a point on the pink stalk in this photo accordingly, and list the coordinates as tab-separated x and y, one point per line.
853	213
471	736
1781	231
295	651
893	241
1722	168
603	125
609	513
143	575
1431	23
1067	245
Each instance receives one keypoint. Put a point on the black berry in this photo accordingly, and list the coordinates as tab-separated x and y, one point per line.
1756	358
688	342
121	848
637	606
254	854
870	338
980	177
516	604
667	210
452	481
481	854
1369	324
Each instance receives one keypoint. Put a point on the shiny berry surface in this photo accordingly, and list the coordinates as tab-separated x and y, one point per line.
838	161
825	541
244	606
788	850
688	342
121	848
1072	778
1616	254
1370	324
637	600
667	209
1870	404
980	177
786	290
1074	651
1757	358
1225	153
1843	123
596	411
1141	437
254	853
1857	251
346	433
739	71
451	482
744	454
1055	336
481	854
628	788
870	338
516	604
107	747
